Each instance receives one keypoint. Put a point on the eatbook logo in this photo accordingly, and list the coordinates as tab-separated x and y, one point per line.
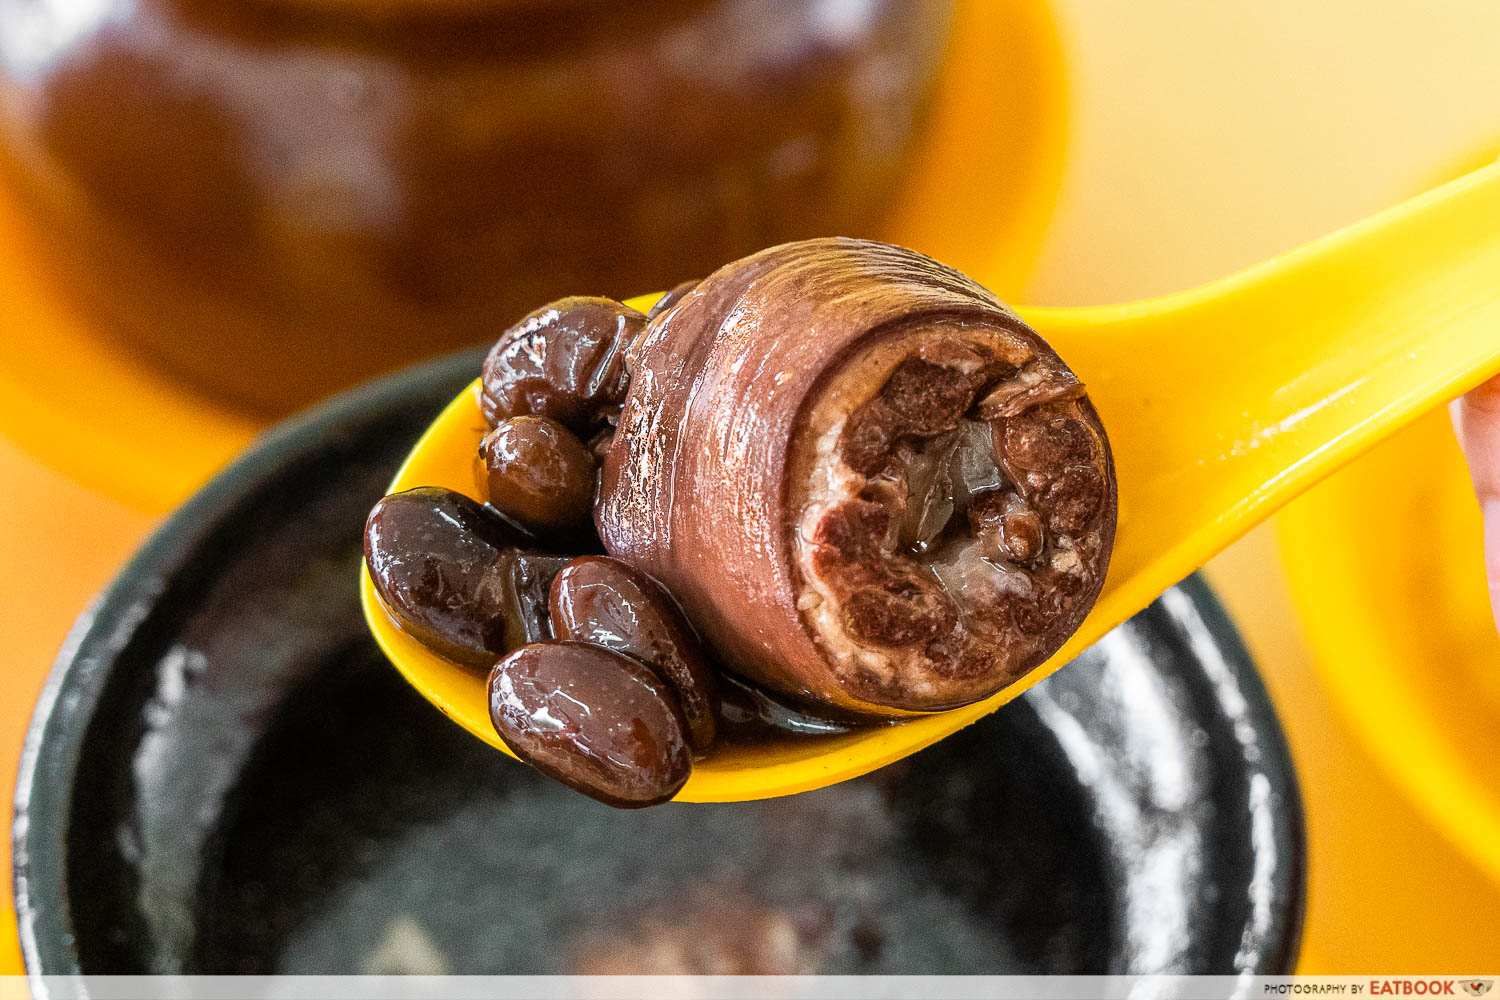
1477	987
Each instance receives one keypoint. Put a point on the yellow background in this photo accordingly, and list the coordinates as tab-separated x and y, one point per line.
1203	136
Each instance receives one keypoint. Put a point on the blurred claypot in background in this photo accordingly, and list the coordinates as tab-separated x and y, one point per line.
281	197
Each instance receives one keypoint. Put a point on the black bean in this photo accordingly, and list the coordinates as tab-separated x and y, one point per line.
671	298
566	361
609	603
751	715
536	472
455	576
596	720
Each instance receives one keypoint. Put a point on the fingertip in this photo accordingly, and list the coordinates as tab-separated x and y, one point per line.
1476	423
1490	511
1484	398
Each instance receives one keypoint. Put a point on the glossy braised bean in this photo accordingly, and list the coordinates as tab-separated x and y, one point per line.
536	472
749	715
565	361
601	442
596	720
669	299
454	575
603	601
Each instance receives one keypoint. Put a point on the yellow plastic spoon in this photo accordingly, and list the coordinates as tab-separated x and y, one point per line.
1222	403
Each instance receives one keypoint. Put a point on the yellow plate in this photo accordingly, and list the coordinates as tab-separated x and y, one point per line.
1386	571
979	196
10	945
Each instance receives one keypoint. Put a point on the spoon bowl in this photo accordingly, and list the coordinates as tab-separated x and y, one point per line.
1222	402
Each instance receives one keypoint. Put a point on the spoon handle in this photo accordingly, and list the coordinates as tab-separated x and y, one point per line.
1227	400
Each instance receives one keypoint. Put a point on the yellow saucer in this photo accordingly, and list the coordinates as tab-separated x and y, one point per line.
1386	571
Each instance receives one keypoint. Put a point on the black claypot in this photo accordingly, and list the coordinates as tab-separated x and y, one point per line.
223	775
